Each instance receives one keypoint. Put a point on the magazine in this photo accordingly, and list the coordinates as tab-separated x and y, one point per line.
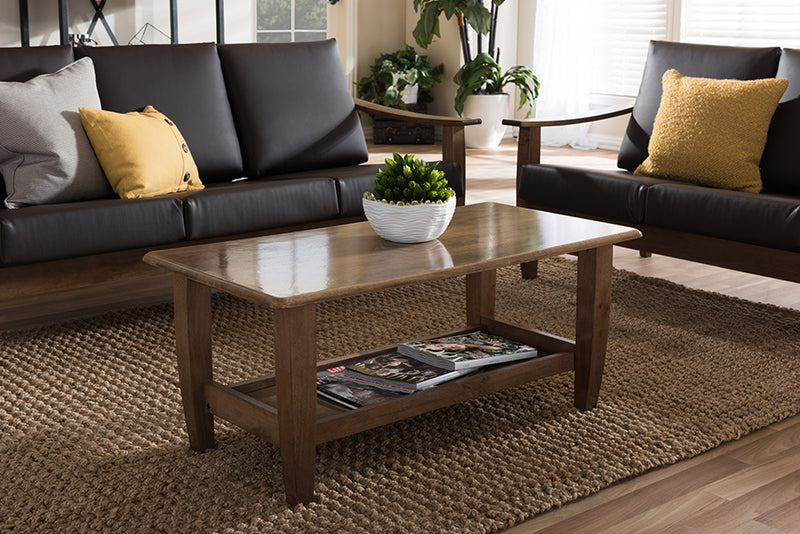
397	371
467	351
334	385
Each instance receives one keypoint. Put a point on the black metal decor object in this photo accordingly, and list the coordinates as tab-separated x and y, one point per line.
220	21
98	16
24	24
173	20
63	21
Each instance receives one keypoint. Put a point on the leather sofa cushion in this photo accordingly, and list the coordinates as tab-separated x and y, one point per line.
253	205
767	220
780	163
352	181
22	64
292	107
706	61
185	83
610	195
56	231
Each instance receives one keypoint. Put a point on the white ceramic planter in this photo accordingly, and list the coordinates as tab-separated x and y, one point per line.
409	224
491	110
410	93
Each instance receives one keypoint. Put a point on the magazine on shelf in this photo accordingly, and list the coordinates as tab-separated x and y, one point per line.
467	351
334	385
398	371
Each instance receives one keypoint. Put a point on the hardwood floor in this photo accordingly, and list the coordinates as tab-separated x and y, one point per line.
751	485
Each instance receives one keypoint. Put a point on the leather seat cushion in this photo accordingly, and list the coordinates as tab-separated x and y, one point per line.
56	231
609	195
707	61
22	64
353	180
253	205
185	83
292	107
759	219
780	162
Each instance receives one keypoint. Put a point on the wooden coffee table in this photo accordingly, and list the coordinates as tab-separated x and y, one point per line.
293	272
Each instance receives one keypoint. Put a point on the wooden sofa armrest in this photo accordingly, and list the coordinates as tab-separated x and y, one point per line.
454	147
529	143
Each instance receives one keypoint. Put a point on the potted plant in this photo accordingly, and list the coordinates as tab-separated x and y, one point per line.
410	202
480	94
395	76
480	80
404	80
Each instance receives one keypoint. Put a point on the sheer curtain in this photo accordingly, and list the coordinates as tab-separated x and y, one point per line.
562	62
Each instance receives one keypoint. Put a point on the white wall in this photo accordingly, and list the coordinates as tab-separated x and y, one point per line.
196	20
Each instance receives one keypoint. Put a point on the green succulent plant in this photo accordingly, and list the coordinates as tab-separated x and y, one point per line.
409	179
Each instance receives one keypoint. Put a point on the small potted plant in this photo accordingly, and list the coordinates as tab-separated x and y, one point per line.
400	78
480	94
404	80
410	202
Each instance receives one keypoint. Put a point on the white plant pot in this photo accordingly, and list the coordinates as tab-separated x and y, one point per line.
410	93
491	110
409	224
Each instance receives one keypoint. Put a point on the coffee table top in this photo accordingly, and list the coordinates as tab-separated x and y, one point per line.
291	269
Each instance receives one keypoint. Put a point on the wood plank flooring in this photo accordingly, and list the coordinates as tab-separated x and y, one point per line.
748	486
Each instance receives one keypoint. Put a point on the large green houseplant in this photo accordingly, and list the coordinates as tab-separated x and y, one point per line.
393	73
467	12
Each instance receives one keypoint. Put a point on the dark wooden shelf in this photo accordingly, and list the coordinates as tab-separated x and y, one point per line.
255	400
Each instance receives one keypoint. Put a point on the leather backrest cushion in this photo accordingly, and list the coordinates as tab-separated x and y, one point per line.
22	64
696	60
292	106
780	164
185	83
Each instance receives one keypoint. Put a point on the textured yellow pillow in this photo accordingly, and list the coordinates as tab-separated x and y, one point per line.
142	153
712	132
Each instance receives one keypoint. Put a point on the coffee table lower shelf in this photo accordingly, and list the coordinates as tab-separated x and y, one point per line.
252	404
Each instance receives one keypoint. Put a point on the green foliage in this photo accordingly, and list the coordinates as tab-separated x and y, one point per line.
408	178
277	14
379	87
427	27
484	76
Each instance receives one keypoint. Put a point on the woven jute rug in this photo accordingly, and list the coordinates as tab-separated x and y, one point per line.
92	436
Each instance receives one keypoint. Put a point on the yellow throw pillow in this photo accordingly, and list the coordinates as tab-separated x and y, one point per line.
142	153
712	132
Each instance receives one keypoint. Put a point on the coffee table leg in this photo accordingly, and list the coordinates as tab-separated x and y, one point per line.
193	341
593	307
480	296
296	381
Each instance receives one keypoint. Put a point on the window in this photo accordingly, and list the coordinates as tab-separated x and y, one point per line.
283	21
623	29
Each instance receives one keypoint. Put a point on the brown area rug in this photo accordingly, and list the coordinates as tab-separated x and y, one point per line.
92	436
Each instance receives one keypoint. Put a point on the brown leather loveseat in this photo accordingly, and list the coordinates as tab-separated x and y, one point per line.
277	141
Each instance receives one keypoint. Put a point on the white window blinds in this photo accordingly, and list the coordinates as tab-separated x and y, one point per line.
622	31
742	23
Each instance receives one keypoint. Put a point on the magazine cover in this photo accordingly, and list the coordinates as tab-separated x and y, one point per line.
474	349
396	370
334	385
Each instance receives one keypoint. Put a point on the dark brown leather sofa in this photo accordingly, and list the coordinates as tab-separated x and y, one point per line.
277	141
756	233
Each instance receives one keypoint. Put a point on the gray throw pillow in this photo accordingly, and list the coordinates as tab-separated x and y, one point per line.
45	156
